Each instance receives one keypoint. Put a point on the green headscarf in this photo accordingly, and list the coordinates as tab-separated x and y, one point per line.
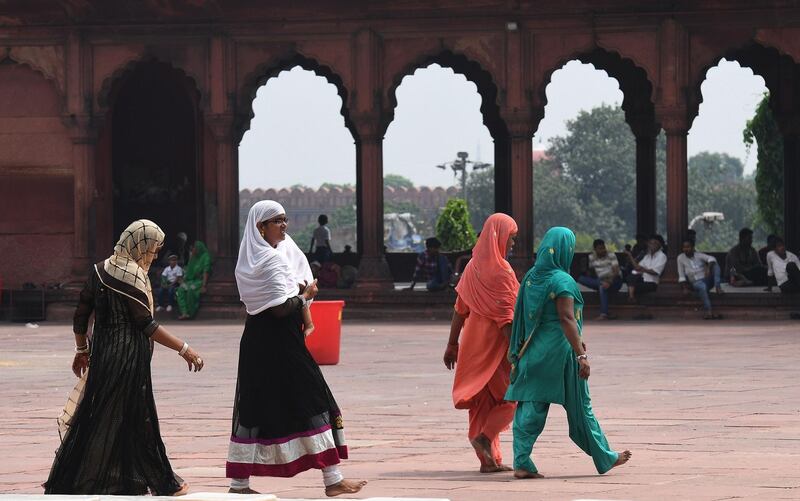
199	262
547	280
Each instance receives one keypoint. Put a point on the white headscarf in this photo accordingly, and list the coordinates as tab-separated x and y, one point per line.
298	262
262	273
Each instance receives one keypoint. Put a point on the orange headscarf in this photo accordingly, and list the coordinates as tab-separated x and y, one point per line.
488	285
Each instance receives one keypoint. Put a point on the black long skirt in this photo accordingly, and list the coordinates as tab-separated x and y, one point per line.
285	419
114	444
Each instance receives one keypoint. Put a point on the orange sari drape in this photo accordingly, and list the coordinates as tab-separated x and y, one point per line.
487	292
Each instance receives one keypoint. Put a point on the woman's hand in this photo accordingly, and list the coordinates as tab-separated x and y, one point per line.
451	356
311	290
193	359
583	372
80	364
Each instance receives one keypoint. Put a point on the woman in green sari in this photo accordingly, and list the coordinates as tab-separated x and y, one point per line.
195	278
549	364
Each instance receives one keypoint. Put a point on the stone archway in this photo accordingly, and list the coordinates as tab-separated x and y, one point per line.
639	108
150	148
490	110
781	75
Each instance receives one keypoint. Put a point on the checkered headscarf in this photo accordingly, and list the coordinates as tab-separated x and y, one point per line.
127	264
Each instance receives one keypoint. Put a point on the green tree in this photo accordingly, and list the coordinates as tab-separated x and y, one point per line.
763	130
717	184
331	186
480	191
453	227
599	158
397	181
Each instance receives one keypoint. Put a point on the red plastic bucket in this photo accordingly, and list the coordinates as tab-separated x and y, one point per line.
324	342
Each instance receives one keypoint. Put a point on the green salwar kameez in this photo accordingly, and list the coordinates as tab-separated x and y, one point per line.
188	294
545	371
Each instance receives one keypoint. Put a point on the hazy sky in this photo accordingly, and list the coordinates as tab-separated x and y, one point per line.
298	134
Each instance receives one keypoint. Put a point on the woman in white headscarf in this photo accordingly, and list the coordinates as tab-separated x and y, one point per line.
285	419
112	443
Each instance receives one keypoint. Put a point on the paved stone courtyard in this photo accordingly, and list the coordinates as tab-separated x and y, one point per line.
710	410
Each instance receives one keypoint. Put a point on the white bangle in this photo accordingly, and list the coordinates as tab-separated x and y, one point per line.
184	348
582	357
82	349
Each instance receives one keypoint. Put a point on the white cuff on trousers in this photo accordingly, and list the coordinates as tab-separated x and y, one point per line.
240	483
331	475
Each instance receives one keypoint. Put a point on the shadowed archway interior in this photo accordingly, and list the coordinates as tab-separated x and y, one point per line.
155	166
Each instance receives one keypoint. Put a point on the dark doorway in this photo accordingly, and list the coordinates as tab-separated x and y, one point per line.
155	151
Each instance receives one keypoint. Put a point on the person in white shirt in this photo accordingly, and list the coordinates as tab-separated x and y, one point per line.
321	241
700	272
784	267
171	278
607	279
646	273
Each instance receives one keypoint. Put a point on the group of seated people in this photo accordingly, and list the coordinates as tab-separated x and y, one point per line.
772	266
644	263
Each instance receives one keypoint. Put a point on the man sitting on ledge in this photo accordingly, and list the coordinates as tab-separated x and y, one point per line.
433	266
784	267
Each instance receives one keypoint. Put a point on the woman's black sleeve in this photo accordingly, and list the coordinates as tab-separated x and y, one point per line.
284	310
80	321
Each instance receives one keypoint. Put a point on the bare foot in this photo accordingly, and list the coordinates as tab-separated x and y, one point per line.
523	474
623	458
183	490
246	490
345	487
495	469
483	447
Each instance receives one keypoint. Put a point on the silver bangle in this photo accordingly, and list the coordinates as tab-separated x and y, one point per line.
582	357
184	349
82	349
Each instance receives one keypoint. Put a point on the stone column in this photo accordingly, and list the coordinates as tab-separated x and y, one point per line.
791	189
520	132
373	270
646	132
222	204
677	184
83	153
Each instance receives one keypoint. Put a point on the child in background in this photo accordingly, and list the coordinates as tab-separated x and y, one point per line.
171	278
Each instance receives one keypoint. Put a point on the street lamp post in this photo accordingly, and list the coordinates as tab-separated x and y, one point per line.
459	167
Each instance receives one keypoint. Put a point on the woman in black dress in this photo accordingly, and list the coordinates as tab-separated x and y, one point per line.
112	443
285	419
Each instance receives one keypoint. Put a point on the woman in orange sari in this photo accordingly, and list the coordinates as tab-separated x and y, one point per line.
484	311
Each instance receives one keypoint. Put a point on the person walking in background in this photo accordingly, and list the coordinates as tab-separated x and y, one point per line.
784	267
607	277
111	443
478	343
321	241
700	272
195	280
171	278
549	363
743	264
433	266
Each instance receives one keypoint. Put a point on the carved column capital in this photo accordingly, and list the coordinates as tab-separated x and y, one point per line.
522	123
674	120
82	128
370	126
221	125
